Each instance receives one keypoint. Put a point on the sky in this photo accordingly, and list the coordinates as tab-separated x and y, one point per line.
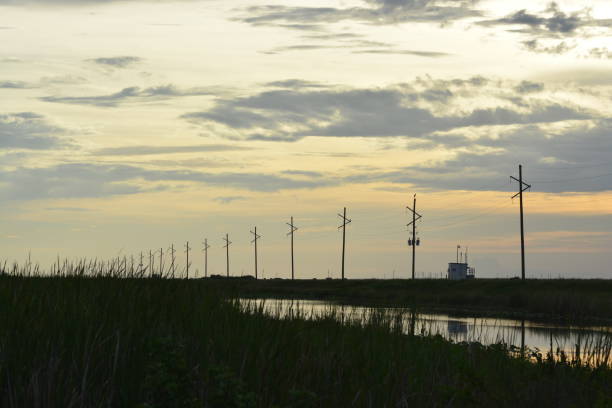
130	126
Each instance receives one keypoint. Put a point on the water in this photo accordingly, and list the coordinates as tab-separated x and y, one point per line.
587	345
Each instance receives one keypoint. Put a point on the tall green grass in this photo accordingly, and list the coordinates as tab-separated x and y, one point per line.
107	342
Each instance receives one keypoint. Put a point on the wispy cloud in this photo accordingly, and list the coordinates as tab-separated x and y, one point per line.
375	12
75	180
152	150
116	62
28	130
131	94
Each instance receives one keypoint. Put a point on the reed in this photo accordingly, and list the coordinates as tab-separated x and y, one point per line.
115	341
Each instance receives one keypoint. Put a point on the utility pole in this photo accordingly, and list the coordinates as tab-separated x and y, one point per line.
172	260
206	246
345	221
140	266
292	230
522	187
227	244
414	242
187	248
256	237
161	260
150	263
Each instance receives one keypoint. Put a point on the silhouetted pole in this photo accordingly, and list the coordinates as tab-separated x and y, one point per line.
187	248
172	260
292	230
161	260
150	263
522	187
256	237
227	244
206	246
415	217
345	221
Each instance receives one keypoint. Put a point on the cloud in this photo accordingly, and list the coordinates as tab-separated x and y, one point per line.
131	94
294	84
571	160
151	150
561	47
426	54
78	180
14	85
600	53
117	62
551	22
229	199
375	12
27	130
529	87
411	110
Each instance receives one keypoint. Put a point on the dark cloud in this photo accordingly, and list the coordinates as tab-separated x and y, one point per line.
561	47
573	160
27	130
152	150
551	22
75	180
291	114
131	94
378	13
116	62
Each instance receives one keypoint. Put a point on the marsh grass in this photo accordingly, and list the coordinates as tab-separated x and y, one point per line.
108	342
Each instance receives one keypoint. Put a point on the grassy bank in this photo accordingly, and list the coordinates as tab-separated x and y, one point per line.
567	300
83	342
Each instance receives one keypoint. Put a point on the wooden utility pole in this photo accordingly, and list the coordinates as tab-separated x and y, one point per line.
413	242
206	246
172	260
256	237
187	248
161	260
150	263
345	221
293	228
522	187
227	244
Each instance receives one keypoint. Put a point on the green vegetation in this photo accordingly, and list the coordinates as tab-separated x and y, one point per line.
568	300
93	342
